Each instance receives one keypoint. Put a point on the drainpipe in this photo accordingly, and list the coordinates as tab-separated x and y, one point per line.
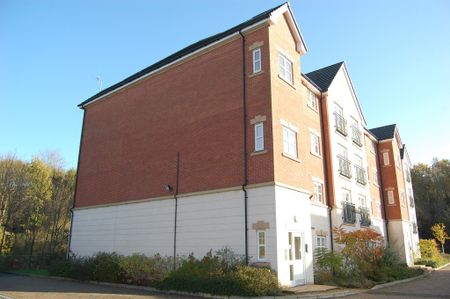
76	185
244	119
176	214
382	193
325	165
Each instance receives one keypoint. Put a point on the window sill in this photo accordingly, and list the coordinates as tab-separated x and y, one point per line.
318	204
291	84
259	153
291	157
256	74
316	155
313	109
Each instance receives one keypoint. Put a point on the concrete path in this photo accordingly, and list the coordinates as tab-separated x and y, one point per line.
436	285
25	287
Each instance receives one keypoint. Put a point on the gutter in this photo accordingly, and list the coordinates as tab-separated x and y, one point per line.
244	121
382	194
175	196
76	186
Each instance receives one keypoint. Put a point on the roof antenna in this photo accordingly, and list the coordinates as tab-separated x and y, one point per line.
100	83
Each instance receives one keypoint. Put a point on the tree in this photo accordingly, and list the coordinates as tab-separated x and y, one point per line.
440	234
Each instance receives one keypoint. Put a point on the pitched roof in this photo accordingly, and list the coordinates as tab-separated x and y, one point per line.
385	132
324	76
190	49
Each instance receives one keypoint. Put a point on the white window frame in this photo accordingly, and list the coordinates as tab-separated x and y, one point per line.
390	195
362	201
259	137
346	192
318	191
375	176
312	101
257	61
285	68
321	242
261	245
289	142
386	158
315	143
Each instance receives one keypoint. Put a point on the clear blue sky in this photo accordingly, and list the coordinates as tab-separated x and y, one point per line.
397	54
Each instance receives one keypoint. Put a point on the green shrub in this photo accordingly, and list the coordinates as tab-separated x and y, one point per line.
106	267
428	249
142	270
81	268
59	268
5	262
221	274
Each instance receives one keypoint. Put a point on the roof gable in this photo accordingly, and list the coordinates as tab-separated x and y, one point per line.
384	132
324	77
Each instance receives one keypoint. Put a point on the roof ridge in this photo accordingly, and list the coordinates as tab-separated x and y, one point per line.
323	77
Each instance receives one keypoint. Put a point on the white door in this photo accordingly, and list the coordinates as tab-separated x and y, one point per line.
296	258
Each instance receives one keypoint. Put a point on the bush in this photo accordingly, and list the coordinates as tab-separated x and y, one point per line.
5	262
221	274
142	270
59	268
106	267
428	249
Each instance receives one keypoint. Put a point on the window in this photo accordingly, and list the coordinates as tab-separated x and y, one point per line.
386	158
346	195
285	69
340	121
375	177
261	244
259	137
257	60
364	211
356	134
315	144
312	100
318	191
391	200
362	201
360	171
289	142
297	247
403	200
320	243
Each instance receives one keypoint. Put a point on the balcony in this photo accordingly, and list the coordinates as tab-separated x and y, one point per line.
365	216
356	136
408	176
411	202
360	175
349	213
414	227
344	167
341	124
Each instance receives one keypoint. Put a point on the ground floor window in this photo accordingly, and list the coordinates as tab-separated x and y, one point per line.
261	234
320	243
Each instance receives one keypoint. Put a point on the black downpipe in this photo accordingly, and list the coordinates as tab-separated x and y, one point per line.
176	214
325	165
382	194
76	186
244	109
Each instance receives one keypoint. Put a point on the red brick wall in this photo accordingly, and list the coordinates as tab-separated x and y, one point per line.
131	138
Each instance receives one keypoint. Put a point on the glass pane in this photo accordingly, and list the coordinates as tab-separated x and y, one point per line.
297	247
262	252
291	272
290	245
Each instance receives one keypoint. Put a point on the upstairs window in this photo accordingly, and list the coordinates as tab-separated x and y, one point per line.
386	158
261	244
257	60
391	199
318	191
285	68
315	144
259	137
289	142
312	100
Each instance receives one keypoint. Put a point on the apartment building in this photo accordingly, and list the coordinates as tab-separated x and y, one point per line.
227	143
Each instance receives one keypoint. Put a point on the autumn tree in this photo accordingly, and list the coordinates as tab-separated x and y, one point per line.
440	234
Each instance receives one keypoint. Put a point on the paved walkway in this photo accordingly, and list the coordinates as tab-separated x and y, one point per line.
25	287
436	285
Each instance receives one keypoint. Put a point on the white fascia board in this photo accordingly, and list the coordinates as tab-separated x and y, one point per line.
187	56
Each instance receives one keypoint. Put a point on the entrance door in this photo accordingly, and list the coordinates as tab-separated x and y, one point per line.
296	258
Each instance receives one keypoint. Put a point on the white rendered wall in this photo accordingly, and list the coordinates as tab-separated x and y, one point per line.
400	240
320	223
293	214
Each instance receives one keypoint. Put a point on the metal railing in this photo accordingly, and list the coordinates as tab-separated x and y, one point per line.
414	225
341	124
360	175
411	202
356	136
365	216
344	166
349	212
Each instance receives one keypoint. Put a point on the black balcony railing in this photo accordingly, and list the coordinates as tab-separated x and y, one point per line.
341	124
349	212
356	136
344	166
360	175
365	216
